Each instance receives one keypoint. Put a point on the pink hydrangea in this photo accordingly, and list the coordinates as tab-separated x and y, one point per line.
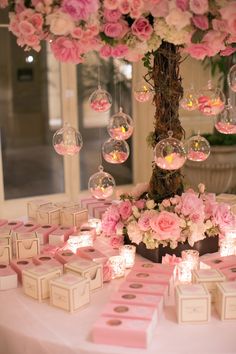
67	50
191	204
222	216
166	225
80	9
125	209
142	29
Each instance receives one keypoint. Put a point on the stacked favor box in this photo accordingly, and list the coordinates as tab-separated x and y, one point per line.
96	208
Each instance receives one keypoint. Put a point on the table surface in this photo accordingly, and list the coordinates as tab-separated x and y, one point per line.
29	327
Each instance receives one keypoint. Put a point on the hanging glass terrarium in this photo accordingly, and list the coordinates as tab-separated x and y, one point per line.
120	126
198	148
67	141
211	101
226	120
143	92
101	184
115	151
232	78
100	100
190	100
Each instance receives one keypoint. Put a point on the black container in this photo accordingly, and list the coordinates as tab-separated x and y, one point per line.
208	245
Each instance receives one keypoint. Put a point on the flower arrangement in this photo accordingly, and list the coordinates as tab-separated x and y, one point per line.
190	217
123	28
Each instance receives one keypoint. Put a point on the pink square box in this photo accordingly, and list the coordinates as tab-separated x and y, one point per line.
229	273
154	301
146	277
123	332
65	256
3	222
154	268
86	201
43	233
99	211
27	227
60	235
143	288
220	262
18	265
10	226
47	259
99	206
92	254
8	277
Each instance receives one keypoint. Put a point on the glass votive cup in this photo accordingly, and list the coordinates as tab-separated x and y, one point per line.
191	256
96	224
117	266
184	272
227	247
128	253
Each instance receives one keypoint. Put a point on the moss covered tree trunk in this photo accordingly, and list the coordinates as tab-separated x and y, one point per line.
168	91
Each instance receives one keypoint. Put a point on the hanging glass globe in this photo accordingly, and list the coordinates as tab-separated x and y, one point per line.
211	101
100	100
67	141
190	100
143	92
115	151
198	148
120	126
226	120
101	184
169	153
232	78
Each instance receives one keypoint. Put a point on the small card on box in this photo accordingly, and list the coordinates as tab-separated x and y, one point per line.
193	303
48	214
43	233
60	235
18	265
8	277
27	245
74	216
5	253
125	332
69	292
36	280
34	205
209	277
226	300
87	269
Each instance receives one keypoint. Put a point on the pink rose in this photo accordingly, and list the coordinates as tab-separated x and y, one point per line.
219	25
125	209
66	50
166	225
222	216
80	9
26	28
116	241
140	204
106	51
158	8
3	4
124	6
198	51
77	33
227	51
112	15
107	272
199	7
120	51
191	204
113	30
142	29
201	21
182	4
111	4
144	220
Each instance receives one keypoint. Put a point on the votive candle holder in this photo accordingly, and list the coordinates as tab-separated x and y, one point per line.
191	256
96	224
128	253
118	266
184	272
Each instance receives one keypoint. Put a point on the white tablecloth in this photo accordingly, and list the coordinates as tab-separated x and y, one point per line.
29	327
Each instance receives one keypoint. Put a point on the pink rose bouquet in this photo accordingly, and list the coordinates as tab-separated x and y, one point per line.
123	28
190	217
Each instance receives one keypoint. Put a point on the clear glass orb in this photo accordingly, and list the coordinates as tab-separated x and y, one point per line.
120	126
226	120
101	184
190	100
211	100
67	141
232	78
115	151
100	100
198	148
169	153
143	92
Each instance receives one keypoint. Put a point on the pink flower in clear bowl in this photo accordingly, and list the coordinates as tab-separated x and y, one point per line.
142	29
222	216
80	9
166	225
125	209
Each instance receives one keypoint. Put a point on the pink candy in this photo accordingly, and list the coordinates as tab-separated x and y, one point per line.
63	149
142	96
197	156
226	128
116	157
100	105
120	133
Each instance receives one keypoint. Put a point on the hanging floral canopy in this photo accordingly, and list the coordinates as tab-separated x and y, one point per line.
123	28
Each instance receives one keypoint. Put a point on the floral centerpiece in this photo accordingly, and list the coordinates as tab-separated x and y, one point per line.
185	219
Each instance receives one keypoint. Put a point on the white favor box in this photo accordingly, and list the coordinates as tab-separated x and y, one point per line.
209	277
8	278
34	205
27	245
193	303
74	216
87	269
69	292
226	300
36	280
48	214
5	253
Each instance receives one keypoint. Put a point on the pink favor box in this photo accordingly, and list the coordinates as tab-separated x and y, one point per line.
97	209
8	277
86	201
220	262
10	226
60	235
3	222
18	265
47	259
27	227
65	256
146	277
92	254
229	273
125	332
154	268
138	287
43	233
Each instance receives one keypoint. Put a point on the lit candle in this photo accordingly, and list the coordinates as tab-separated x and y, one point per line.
128	253
118	266
184	272
191	256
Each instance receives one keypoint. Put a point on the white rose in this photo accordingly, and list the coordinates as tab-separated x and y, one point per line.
178	18
61	24
182	223
136	212
150	204
208	224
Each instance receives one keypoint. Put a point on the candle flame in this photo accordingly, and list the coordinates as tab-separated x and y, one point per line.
169	158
